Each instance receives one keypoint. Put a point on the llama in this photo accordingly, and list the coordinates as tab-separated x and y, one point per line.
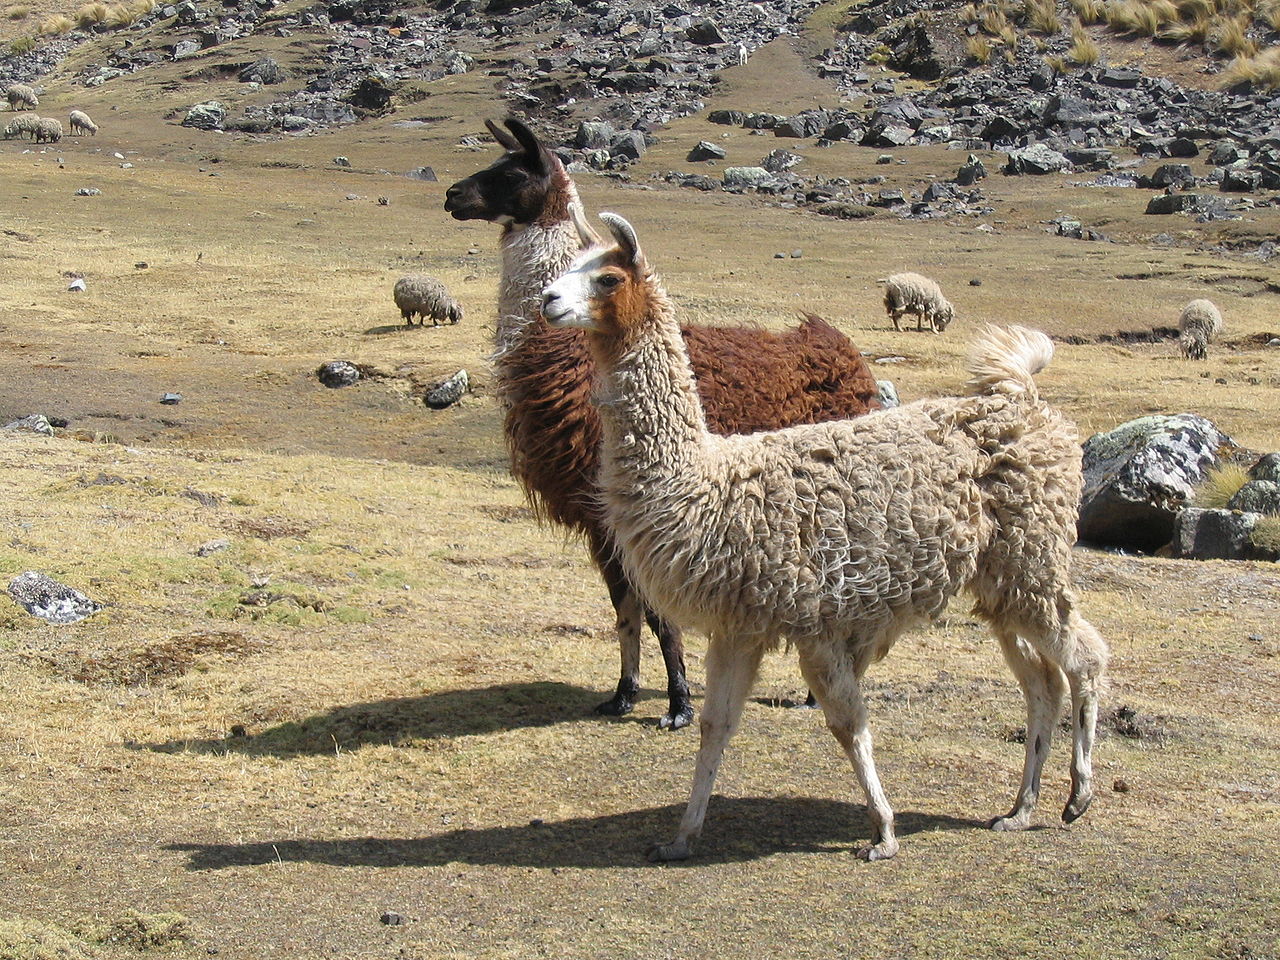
837	537
750	380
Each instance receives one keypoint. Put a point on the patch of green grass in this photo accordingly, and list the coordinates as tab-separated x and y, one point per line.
139	931
29	940
22	46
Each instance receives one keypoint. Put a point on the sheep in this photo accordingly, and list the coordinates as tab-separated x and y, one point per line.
80	123
20	95
48	130
913	293
427	297
1199	324
749	379
23	123
837	537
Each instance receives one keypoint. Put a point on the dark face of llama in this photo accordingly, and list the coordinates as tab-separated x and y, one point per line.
519	188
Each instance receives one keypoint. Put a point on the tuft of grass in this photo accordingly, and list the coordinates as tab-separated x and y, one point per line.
1042	16
1220	486
17	13
22	46
139	931
29	940
1089	11
1268	13
968	13
1084	49
979	48
1265	534
1231	38
56	25
1261	72
92	14
1189	31
1058	65
993	19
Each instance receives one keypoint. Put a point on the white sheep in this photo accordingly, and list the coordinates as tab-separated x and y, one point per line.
914	293
838	537
1199	324
427	297
48	130
80	123
20	95
23	123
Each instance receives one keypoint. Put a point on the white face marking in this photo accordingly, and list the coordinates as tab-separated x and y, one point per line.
567	301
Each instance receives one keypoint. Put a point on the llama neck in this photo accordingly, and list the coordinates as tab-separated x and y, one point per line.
533	255
652	418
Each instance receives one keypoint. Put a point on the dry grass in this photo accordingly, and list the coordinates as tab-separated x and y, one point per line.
279	741
56	25
1261	72
17	12
1042	16
1220	486
979	48
1230	37
1266	534
1084	50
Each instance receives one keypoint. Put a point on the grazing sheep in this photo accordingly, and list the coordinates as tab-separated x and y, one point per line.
48	130
21	96
1199	324
749	380
80	123
838	537
427	297
913	293
26	123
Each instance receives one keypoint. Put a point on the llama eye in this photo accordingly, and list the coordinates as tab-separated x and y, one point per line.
609	281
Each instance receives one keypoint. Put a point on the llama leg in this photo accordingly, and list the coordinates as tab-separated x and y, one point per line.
1083	674
835	680
1042	686
896	317
626	605
671	643
731	669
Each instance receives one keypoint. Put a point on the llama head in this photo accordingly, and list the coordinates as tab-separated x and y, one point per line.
527	185
607	289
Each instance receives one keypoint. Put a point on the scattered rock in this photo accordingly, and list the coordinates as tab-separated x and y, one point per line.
171	399
210	547
705	151
338	373
210	115
425	174
1201	534
46	598
88	192
449	392
1037	159
1257	496
77	285
34	423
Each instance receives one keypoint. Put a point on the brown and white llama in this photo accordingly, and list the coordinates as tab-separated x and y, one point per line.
749	380
838	537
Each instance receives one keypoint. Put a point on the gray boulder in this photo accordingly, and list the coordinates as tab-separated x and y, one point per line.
1036	159
1257	496
265	71
35	423
210	115
705	151
744	177
338	373
1267	468
1218	535
628	146
1138	476
594	135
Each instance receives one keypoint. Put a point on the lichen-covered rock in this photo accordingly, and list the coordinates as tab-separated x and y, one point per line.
210	115
1138	476
1036	159
338	373
1267	468
1257	496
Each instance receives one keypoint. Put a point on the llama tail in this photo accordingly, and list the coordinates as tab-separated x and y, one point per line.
1005	359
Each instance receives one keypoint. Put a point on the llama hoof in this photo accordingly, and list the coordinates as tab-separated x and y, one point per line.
664	852
676	719
1009	824
878	851
1075	808
616	706
810	703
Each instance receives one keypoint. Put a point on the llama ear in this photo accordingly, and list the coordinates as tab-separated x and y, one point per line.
587	235
625	236
505	140
529	142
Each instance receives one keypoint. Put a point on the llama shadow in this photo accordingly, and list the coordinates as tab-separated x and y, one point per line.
434	716
740	829
389	328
